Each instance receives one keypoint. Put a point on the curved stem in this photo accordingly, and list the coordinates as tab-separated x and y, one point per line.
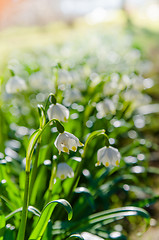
76	178
21	232
80	166
33	140
56	81
34	169
53	174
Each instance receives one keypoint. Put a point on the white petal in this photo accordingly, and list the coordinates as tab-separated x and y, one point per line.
61	143
15	84
64	171
108	156
102	157
101	153
58	111
66	141
115	155
70	135
72	144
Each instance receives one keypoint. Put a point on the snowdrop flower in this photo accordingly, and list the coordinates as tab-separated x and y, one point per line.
105	107
38	81
15	84
64	76
72	95
64	171
131	95
66	141
58	111
136	98
112	86
108	156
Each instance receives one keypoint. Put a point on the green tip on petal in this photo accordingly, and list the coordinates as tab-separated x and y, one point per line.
81	144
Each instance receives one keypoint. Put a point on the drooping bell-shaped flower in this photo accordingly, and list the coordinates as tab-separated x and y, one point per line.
105	107
58	111
64	171
72	95
38	81
109	156
66	141
15	84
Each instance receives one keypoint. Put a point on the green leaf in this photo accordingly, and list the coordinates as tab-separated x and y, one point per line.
2	226
42	115
75	236
153	170
88	196
32	209
46	215
146	202
37	193
109	216
48	232
133	210
102	233
8	189
33	139
9	234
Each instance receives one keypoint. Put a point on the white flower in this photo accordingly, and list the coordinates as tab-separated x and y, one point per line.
66	141
105	107
58	111
136	98
38	81
72	95
64	171
88	236
109	156
15	84
64	76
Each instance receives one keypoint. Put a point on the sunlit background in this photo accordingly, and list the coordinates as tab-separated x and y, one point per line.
29	12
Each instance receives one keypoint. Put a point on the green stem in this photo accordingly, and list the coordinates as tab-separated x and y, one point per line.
75	179
21	232
53	174
33	140
74	183
56	81
34	169
80	166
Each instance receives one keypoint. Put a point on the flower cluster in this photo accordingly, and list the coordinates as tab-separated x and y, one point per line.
65	141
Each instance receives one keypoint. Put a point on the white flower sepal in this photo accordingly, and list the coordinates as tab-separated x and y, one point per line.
109	156
64	171
105	107
66	141
15	84
58	111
